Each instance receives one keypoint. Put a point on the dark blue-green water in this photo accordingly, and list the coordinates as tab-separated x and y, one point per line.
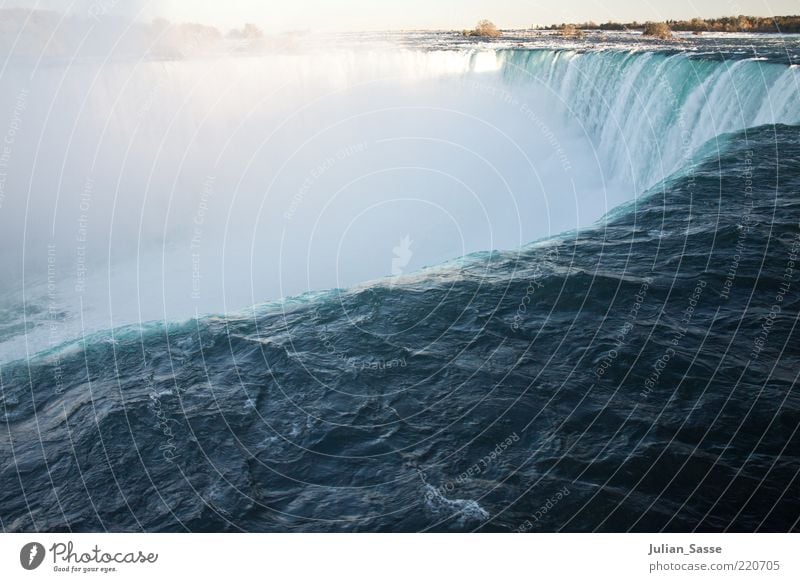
639	375
636	371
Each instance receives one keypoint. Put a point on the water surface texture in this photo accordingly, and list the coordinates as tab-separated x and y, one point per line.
404	282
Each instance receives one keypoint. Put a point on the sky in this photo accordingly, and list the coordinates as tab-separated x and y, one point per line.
325	15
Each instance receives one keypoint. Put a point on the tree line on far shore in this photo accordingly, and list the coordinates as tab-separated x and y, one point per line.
774	24
784	24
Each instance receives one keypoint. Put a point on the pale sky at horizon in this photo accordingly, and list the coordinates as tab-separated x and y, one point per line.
282	15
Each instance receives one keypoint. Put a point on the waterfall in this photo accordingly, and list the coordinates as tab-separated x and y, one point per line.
648	113
158	189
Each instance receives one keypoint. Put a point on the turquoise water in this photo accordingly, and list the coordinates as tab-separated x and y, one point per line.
637	374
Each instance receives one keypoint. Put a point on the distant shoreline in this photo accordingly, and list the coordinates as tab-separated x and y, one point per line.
739	24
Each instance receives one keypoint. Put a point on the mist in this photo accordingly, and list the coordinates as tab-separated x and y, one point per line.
182	171
160	188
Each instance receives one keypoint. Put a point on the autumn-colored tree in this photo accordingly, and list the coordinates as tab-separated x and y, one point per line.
484	28
571	31
658	30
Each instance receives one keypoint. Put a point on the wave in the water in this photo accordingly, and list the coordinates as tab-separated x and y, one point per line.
637	375
166	188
